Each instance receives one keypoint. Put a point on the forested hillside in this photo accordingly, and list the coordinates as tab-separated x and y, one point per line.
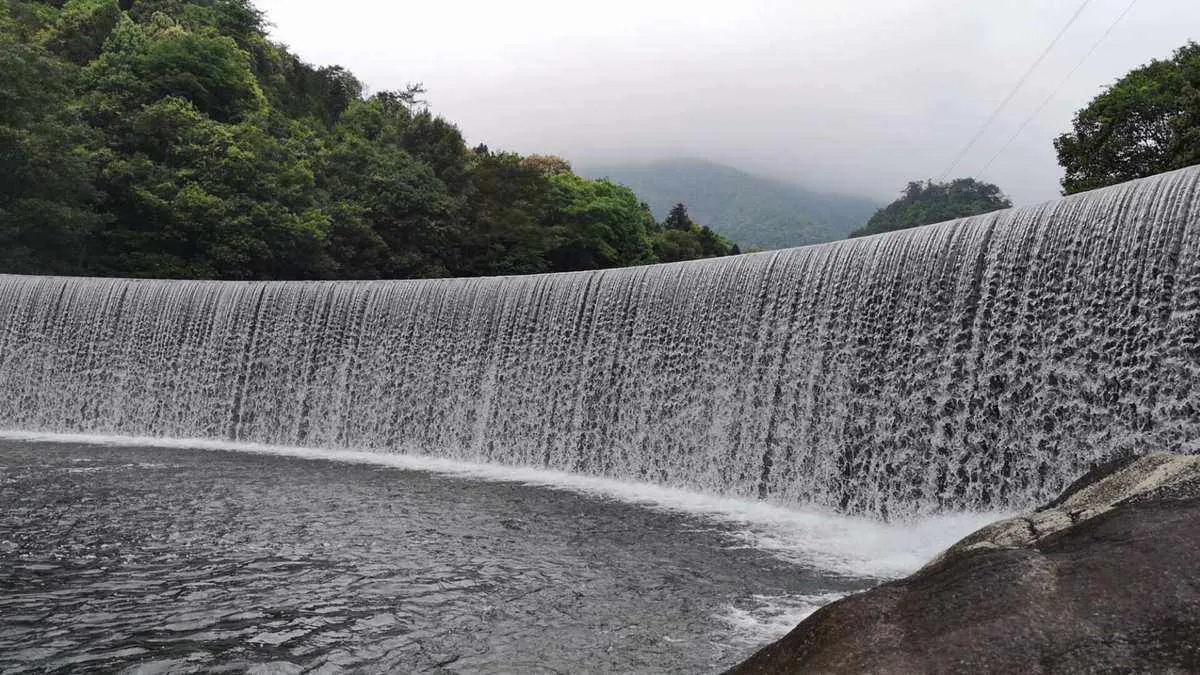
927	202
753	211
172	138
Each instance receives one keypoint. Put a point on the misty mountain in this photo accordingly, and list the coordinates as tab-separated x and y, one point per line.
753	211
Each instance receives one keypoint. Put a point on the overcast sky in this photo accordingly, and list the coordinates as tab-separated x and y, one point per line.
854	96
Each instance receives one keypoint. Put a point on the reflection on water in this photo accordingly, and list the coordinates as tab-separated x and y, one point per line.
166	559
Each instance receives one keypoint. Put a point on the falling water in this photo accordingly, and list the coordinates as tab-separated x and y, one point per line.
976	363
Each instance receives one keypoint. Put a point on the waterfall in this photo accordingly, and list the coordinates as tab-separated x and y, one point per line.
976	363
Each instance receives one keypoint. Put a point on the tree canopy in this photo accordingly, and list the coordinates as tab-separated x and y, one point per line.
926	202
1146	123
681	238
172	138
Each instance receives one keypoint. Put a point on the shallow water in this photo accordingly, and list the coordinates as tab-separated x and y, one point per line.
168	559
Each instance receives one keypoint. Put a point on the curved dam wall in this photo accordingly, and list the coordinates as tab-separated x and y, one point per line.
979	363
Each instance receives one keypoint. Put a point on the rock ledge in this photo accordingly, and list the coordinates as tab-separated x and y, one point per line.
1105	577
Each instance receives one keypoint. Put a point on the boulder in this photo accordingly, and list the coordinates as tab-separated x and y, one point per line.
1104	578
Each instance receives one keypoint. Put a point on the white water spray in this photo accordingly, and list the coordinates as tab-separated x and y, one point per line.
976	364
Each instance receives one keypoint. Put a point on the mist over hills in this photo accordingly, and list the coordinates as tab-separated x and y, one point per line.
753	211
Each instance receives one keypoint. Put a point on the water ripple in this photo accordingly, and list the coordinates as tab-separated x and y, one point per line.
151	560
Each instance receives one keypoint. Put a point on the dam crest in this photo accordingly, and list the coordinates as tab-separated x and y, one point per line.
978	363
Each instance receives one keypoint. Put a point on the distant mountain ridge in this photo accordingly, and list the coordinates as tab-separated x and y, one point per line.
753	211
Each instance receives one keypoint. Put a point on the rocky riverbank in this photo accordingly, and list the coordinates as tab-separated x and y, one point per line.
1104	578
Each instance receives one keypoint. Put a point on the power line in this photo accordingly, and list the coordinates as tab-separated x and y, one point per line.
996	113
1054	93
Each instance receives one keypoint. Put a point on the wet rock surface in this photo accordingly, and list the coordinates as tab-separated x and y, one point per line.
1104	578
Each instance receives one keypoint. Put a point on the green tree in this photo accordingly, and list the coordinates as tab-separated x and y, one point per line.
47	166
596	224
23	21
141	65
680	238
392	214
1146	123
80	30
504	228
926	202
194	197
172	138
678	219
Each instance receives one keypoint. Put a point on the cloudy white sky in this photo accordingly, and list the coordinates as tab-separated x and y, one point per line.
854	96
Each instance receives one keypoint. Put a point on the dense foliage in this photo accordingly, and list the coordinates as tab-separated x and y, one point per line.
1146	123
683	239
930	202
171	138
752	211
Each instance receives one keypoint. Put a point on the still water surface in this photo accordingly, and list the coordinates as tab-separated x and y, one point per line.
168	559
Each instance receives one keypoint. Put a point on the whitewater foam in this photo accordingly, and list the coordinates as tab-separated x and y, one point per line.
977	364
843	545
765	618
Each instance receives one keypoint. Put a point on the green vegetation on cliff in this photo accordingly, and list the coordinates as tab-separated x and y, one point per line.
172	138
